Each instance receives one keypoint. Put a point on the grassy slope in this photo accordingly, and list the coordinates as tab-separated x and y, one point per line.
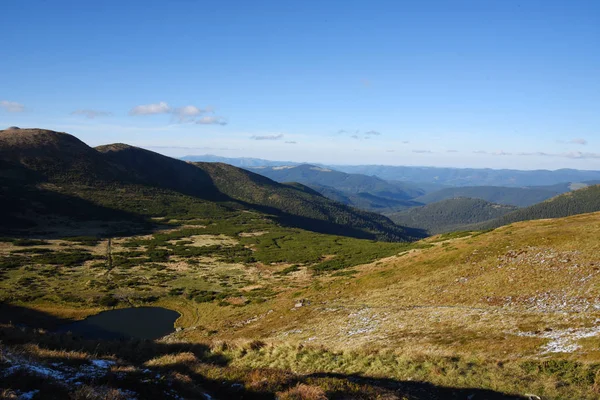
473	310
450	215
495	293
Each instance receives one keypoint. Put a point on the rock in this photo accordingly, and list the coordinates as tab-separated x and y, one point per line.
13	128
178	329
302	303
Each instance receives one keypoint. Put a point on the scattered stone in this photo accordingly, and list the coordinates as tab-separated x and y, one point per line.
302	303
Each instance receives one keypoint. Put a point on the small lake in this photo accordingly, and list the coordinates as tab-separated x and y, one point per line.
126	323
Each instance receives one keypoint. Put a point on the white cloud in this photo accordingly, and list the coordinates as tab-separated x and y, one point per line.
291	142
480	152
267	137
151	109
373	133
91	114
501	153
422	151
354	137
451	151
211	120
11	106
187	113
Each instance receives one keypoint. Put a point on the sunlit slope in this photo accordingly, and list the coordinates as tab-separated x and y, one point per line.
504	292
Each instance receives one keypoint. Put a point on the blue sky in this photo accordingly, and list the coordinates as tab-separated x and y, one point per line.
446	83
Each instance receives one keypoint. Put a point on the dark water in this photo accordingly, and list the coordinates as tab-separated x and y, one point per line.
126	323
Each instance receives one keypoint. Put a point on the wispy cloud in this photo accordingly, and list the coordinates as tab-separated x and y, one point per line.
390	151
211	120
354	137
569	154
11	106
501	153
422	151
185	148
291	142
372	133
267	137
151	109
535	153
580	141
480	152
451	151
91	114
579	154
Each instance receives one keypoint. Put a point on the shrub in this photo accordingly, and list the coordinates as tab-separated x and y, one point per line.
29	242
108	301
303	392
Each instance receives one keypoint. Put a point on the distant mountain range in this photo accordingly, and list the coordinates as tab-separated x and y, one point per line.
436	175
473	176
241	162
361	191
50	179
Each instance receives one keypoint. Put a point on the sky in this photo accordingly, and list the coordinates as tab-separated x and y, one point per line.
454	83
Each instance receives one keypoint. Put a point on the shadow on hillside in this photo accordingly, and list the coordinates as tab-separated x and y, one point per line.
131	174
21	326
208	370
34	212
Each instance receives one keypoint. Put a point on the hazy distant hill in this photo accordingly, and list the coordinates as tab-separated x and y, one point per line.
132	183
433	175
362	191
580	201
450	215
471	176
238	161
364	200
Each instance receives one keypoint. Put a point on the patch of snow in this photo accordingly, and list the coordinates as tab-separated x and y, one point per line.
104	364
563	340
129	394
28	395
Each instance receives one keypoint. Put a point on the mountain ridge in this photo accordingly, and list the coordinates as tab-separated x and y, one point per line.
126	178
